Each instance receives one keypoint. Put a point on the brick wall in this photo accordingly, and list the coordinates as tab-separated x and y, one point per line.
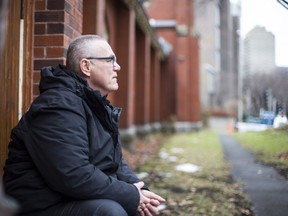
181	70
56	23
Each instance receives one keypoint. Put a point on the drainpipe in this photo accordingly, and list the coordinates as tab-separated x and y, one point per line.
21	54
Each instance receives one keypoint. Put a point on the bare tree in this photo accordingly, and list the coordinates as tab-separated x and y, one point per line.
280	87
255	86
259	87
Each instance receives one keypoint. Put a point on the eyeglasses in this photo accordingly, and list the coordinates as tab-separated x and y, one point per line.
108	59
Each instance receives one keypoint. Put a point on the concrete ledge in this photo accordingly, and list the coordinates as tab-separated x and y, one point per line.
187	126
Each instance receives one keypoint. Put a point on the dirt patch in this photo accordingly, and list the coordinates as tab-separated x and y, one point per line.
141	151
283	156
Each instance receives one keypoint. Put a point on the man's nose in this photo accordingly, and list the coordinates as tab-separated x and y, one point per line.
116	67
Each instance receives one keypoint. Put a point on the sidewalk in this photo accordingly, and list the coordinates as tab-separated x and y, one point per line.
266	189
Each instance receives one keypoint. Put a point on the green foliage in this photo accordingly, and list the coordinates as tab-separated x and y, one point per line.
209	191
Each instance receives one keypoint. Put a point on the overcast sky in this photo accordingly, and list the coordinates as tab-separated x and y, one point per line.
274	17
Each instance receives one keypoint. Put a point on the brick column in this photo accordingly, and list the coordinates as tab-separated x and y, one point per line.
194	90
183	16
182	81
142	78
56	23
155	88
168	89
94	17
125	51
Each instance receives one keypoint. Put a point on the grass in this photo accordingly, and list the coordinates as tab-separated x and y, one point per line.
209	191
270	147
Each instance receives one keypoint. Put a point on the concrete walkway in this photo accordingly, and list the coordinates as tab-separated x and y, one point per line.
266	189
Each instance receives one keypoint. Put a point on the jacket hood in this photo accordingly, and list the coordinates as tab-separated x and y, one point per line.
60	77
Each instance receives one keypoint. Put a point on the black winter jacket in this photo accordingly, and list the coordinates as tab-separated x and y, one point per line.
67	147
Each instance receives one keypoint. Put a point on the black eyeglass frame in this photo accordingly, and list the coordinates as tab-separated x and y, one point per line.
112	58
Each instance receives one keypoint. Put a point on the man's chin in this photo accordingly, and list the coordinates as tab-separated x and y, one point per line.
114	88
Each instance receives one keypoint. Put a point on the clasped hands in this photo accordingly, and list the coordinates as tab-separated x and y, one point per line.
149	201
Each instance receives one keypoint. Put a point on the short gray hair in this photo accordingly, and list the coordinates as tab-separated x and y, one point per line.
78	49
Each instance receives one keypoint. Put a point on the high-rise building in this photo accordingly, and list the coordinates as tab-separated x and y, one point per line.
259	51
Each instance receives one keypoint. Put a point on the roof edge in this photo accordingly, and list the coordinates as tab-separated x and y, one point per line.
143	22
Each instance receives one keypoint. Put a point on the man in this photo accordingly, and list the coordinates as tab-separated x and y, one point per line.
65	155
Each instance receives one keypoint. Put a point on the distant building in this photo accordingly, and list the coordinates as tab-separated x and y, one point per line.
229	26
173	20
259	51
207	25
217	24
282	70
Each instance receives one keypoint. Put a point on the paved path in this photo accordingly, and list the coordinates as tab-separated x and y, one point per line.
266	189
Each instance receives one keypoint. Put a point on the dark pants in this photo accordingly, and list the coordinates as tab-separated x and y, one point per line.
97	207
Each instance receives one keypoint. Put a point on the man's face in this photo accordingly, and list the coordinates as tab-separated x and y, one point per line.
103	68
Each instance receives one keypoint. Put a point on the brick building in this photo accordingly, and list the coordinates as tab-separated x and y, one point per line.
174	21
154	85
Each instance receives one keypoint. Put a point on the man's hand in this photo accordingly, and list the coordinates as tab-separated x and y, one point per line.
155	201
143	199
149	201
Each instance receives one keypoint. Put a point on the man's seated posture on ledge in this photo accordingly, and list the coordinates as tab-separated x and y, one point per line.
65	155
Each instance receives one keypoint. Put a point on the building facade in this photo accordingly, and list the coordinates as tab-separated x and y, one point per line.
39	32
259	51
207	25
218	26
174	21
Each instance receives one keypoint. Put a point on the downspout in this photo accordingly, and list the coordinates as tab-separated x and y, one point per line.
21	55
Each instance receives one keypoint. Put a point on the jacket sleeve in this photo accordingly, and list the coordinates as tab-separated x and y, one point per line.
125	173
59	146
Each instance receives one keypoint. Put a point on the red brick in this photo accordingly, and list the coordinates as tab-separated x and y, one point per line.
78	15
76	4
79	5
67	41
55	4
55	52
48	40
74	23
55	28
68	31
49	16
40	29
76	34
35	90
39	52
68	8
36	76
39	64
40	5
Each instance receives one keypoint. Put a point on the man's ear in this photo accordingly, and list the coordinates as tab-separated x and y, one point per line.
85	67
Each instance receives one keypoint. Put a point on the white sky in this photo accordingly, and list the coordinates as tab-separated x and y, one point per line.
274	17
